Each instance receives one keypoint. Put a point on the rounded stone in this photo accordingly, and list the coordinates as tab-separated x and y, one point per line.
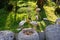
6	35
33	36
52	32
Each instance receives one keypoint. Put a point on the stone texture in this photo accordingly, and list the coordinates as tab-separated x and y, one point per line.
52	32
22	36
6	35
41	36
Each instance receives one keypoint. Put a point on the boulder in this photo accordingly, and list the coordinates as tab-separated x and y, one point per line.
6	35
28	34
41	36
52	32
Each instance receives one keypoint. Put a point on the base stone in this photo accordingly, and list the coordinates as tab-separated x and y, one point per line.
52	32
33	36
6	35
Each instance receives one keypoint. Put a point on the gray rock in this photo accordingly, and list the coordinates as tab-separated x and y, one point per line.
6	35
22	36
22	23
52	32
41	35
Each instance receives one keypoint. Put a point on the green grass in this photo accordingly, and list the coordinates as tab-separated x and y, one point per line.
8	22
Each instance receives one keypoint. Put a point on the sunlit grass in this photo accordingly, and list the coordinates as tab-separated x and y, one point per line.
9	19
50	13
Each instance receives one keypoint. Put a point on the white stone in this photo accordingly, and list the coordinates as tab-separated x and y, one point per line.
18	29
21	23
45	19
34	23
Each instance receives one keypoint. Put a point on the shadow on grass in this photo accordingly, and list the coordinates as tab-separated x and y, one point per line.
7	21
3	17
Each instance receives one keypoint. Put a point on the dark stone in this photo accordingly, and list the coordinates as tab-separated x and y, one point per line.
41	36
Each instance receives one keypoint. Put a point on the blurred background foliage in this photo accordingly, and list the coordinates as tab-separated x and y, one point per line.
14	11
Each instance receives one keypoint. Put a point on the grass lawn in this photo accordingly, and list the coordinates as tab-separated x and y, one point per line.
8	22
